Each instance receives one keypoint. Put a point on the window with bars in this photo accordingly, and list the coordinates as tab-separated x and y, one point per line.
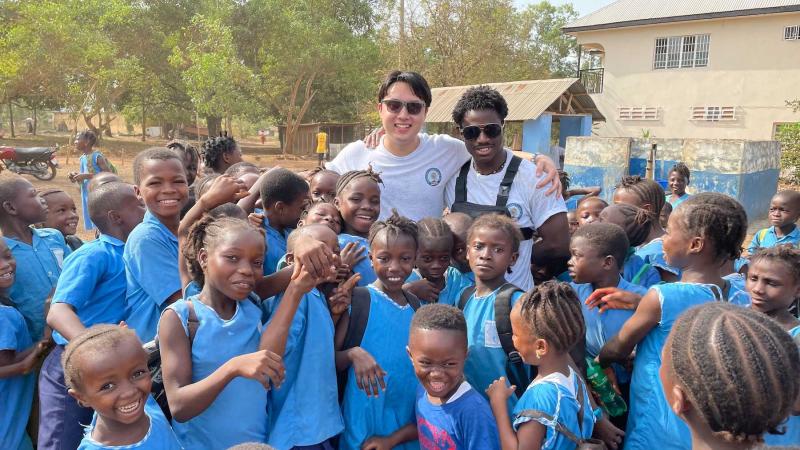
638	113
791	33
681	51
713	113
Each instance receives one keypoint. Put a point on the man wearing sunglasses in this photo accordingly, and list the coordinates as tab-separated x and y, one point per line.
415	167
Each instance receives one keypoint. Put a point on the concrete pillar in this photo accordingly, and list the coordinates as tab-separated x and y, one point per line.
536	134
573	126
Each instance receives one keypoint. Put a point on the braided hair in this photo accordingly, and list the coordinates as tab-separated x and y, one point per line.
203	235
552	312
96	340
738	368
681	169
394	227
719	219
648	192
214	148
433	229
351	176
636	222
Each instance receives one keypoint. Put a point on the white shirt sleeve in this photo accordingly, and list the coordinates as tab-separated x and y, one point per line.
349	158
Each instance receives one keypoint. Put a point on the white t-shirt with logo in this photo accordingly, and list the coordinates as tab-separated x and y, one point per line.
528	205
413	184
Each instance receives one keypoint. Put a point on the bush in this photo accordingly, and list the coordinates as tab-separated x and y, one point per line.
789	137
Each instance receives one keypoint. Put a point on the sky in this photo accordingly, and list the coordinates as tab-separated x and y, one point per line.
583	6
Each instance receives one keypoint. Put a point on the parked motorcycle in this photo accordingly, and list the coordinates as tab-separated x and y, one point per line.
37	161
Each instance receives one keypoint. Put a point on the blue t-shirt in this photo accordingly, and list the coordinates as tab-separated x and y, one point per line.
385	338
151	271
364	267
276	246
93	283
84	185
653	254
38	268
791	435
637	271
454	283
239	413
464	422
304	410
486	360
557	396
159	437
678	200
16	393
767	238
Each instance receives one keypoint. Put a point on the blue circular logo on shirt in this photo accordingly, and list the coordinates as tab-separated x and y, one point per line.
433	176
515	210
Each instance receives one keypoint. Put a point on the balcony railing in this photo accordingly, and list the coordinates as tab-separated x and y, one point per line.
592	80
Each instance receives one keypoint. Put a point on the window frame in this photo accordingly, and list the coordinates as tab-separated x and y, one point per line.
689	51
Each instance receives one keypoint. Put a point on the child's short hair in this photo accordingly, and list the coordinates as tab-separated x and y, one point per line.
458	222
480	98
606	239
738	367
417	83
302	232
105	198
351	176
498	222
202	235
790	196
681	169
282	185
50	191
152	153
214	148
435	229
552	312
636	222
9	187
394	227
204	184
242	167
96	340
88	135
719	219
102	178
438	316
231	210
647	191
785	254
592	198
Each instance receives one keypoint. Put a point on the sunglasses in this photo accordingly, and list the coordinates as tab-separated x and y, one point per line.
395	106
491	130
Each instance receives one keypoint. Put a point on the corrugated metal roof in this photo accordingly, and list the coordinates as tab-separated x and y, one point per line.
625	13
526	99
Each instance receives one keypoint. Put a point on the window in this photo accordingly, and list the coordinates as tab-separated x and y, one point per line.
713	113
791	33
681	51
638	113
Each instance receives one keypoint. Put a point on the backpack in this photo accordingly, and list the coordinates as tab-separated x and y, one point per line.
475	210
154	362
91	166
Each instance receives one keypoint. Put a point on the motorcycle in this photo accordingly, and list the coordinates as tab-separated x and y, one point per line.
40	162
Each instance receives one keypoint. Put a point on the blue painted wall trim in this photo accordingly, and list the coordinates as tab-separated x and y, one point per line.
536	134
573	126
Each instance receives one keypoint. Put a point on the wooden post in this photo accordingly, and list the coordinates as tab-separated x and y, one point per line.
650	172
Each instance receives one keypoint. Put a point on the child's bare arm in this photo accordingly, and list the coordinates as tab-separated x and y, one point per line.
644	319
275	336
14	364
62	318
498	394
406	434
593	191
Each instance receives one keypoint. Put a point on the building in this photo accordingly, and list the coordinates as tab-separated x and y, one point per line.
710	69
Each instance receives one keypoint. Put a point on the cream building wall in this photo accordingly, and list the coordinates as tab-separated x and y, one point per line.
750	66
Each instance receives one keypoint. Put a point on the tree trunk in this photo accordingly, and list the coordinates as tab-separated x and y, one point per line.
144	126
228	124
214	124
107	126
11	118
90	125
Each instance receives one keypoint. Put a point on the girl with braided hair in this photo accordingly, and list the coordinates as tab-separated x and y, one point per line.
358	198
220	152
730	374
704	232
678	180
637	223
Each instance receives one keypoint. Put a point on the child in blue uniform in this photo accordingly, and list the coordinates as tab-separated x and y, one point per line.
773	282
322	183
459	224
704	232
91	163
91	290
450	413
151	252
434	280
637	223
710	345
39	252
18	357
284	195
358	197
62	216
547	323
381	386
784	210
678	180
105	368
216	383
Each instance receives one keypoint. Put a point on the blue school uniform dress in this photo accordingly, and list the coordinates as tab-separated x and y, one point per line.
792	434
767	238
16	393
651	422
454	283
465	421
304	410
653	254
385	338
151	270
159	436
85	161
678	200
557	396
276	246
38	268
486	360
239	413
638	272
364	267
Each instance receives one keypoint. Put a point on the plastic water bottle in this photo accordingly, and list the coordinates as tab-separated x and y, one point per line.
612	402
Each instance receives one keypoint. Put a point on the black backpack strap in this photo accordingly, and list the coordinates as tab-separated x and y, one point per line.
359	314
515	369
461	183
508	178
465	295
527	233
192	324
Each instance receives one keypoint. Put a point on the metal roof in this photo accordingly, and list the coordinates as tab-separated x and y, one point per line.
526	99
627	13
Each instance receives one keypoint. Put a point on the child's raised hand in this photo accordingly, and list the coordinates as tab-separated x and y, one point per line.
374	139
369	375
340	298
608	433
314	256
424	290
255	219
613	298
224	189
352	254
377	443
263	366
499	391
305	281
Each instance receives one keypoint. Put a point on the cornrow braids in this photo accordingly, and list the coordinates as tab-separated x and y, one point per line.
214	148
349	177
719	219
785	254
681	169
565	180
636	222
316	171
185	148
394	227
432	229
552	312
647	191
203	235
97	339
738	368
498	222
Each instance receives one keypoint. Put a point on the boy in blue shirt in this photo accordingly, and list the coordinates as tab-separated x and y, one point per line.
39	253
90	291
151	252
784	210
284	196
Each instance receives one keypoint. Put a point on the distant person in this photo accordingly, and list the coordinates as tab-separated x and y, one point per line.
323	148
219	153
262	136
92	163
784	210
678	180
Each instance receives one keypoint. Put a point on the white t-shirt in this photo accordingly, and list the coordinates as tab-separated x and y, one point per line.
412	184
528	205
